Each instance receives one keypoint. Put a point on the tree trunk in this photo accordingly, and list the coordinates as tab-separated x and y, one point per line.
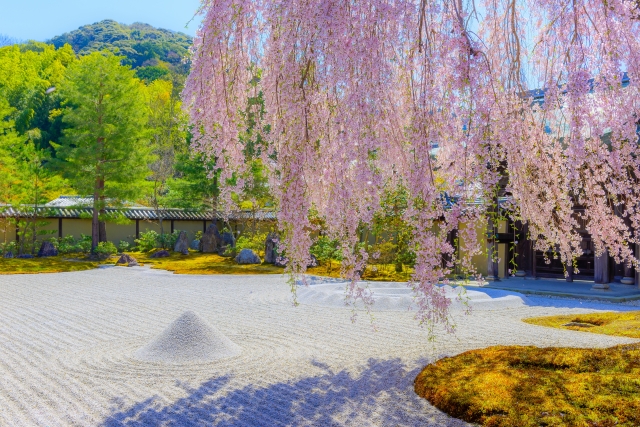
102	229
95	224
102	226
98	199
34	219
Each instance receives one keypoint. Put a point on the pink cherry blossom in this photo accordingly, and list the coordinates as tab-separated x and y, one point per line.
357	93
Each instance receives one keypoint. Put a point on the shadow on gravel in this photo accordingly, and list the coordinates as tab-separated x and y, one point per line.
540	301
309	401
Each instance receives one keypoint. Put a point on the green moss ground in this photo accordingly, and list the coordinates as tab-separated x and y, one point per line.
58	264
199	263
625	324
512	386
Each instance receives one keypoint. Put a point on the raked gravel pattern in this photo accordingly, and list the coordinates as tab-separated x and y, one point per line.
68	346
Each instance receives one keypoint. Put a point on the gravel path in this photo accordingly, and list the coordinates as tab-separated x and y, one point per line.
68	343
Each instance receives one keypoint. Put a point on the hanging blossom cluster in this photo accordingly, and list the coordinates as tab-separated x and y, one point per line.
356	94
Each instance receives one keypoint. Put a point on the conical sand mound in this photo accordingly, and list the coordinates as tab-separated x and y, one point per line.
188	339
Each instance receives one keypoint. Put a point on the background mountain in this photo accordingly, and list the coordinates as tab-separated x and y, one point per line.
153	52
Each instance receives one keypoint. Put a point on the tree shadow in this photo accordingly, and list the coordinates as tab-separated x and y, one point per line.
382	393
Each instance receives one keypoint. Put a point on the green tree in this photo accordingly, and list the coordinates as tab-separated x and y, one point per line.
8	164
105	150
35	184
166	124
141	45
195	184
25	179
29	76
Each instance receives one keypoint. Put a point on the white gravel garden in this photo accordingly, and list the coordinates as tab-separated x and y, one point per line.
141	347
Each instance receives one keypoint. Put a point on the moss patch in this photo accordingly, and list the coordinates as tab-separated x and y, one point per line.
530	386
626	324
199	263
56	264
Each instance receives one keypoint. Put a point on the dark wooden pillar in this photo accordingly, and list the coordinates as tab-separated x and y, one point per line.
137	228
17	234
453	241
601	268
60	227
204	226
637	269
534	261
628	270
492	253
171	226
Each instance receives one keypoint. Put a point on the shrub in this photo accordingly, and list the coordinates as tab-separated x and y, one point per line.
325	250
106	248
65	245
406	257
123	246
168	241
8	247
255	243
84	244
385	252
70	245
147	241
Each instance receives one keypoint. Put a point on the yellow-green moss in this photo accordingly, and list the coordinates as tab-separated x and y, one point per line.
56	264
510	386
199	263
626	324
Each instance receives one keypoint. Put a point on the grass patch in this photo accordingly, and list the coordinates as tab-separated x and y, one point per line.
530	386
56	264
626	324
199	263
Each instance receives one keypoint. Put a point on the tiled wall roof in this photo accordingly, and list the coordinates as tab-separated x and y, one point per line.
134	213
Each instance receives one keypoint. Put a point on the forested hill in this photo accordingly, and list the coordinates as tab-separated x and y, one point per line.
154	52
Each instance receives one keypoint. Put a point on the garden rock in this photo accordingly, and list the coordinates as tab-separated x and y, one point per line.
127	259
314	262
247	256
161	254
25	256
228	239
47	249
182	244
8	255
270	253
211	240
195	245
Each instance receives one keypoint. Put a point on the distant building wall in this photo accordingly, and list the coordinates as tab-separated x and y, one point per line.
191	227
146	226
121	232
75	227
7	231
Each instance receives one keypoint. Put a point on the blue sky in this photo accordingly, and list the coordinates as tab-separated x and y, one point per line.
43	19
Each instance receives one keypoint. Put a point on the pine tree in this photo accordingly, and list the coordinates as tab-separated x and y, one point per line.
105	150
